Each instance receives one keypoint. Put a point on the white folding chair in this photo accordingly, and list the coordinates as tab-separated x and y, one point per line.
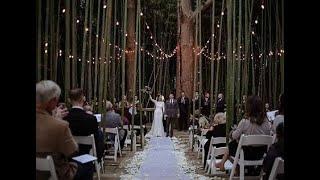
137	127
89	140
201	141
46	164
213	153
248	140
277	168
130	140
116	143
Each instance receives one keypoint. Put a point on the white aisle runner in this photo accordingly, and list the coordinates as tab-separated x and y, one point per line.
160	162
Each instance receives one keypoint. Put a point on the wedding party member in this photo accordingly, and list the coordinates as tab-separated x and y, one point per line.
53	135
172	113
256	123
157	129
112	120
221	104
217	129
183	102
205	105
83	124
196	101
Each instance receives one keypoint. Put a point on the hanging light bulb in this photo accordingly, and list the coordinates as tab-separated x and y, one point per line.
262	6
79	59
256	21
87	29
46	51
141	14
104	6
126	34
150	37
78	21
46	44
222	13
218	25
148	27
252	32
117	23
63	10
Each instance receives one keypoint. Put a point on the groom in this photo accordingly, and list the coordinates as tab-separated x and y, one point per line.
171	113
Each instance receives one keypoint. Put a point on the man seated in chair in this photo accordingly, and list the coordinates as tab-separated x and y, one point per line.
83	124
113	120
53	136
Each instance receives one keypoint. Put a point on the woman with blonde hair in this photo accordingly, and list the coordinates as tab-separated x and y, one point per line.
217	129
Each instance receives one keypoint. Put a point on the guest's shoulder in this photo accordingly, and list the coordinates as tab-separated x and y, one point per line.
60	123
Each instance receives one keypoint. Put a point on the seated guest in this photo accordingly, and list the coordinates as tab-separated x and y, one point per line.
112	120
267	107
53	136
275	150
83	124
217	129
255	124
280	116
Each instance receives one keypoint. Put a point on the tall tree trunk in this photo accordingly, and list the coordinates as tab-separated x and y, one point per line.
130	56
67	51
238	86
52	32
282	47
123	61
39	44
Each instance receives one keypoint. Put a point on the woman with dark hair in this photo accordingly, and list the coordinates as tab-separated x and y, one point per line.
280	116
256	123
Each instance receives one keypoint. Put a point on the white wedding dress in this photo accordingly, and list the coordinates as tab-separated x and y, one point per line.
157	124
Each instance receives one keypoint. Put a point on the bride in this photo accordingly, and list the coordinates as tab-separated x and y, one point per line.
157	124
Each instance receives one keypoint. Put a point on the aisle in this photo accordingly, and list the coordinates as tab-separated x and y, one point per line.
160	161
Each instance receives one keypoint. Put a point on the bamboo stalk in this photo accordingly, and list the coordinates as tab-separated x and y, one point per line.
84	43
113	59
238	86
57	40
103	62
219	52
74	44
212	58
200	56
90	61
45	59
282	46
38	50
51	44
98	59
67	51
123	65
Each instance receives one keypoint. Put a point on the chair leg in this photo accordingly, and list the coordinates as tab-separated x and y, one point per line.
97	169
241	171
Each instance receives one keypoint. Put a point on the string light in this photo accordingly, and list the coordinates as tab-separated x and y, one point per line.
63	10
46	51
262	6
256	21
79	59
117	23
252	32
126	34
141	14
87	29
222	13
78	21
46	44
148	27
104	6
150	37
218	25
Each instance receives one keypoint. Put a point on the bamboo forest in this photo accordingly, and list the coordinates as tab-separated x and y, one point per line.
162	79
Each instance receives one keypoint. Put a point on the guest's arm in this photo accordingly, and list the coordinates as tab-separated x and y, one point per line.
154	101
238	131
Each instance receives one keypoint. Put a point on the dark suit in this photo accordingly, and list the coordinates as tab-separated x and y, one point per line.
82	124
184	112
205	104
220	105
172	111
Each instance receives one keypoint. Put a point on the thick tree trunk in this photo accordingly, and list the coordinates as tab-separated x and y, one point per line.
185	63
